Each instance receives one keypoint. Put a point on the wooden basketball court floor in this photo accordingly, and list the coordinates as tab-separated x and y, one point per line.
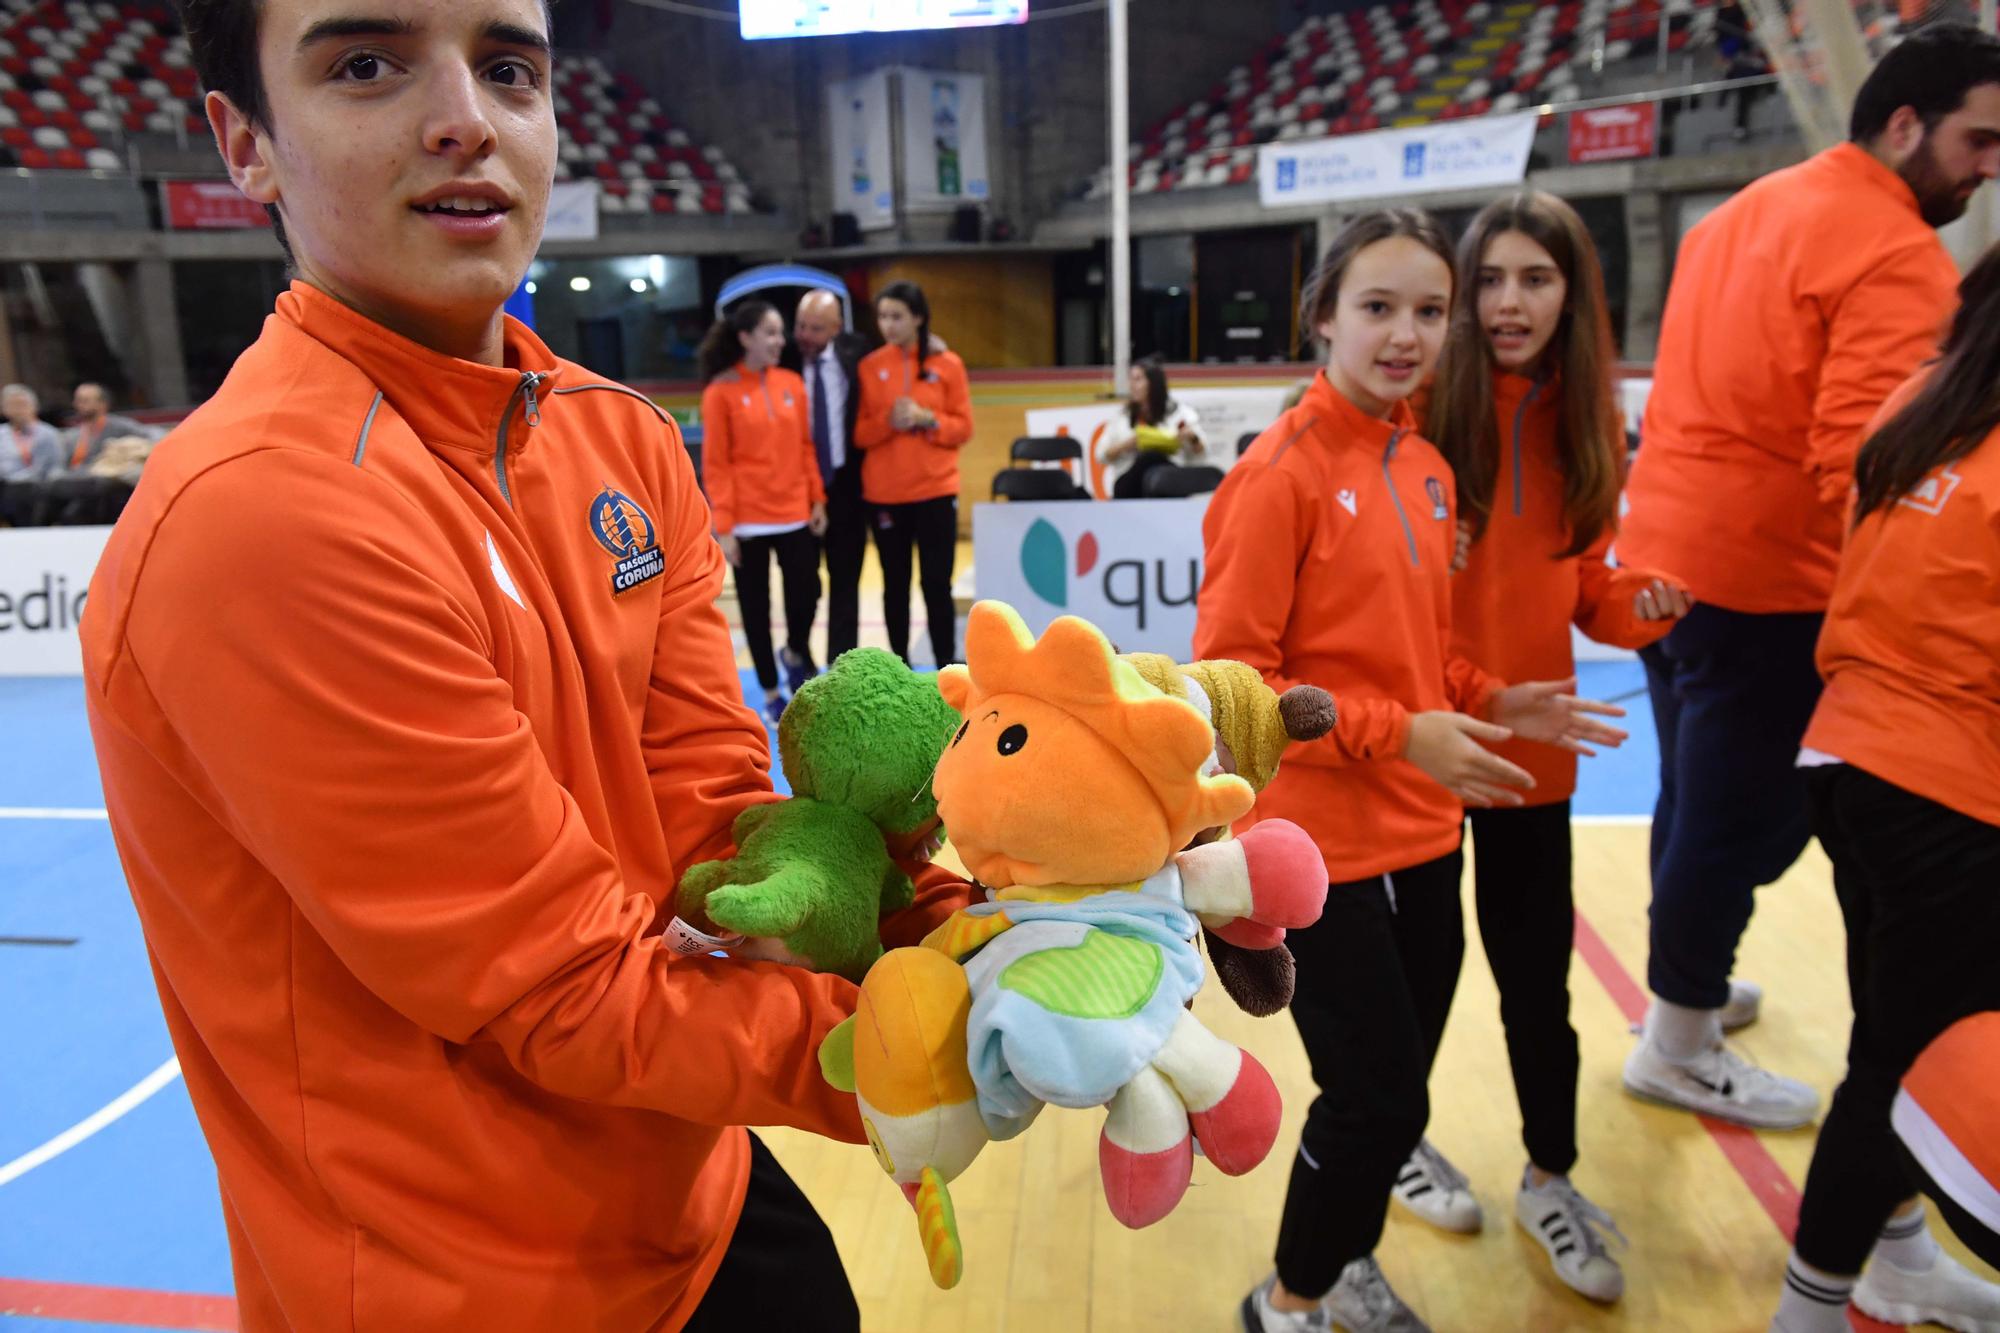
109	1218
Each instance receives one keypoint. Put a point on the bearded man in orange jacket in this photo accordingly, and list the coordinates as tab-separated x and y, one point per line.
412	703
1797	307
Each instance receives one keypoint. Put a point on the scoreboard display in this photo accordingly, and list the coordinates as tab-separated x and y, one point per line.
826	18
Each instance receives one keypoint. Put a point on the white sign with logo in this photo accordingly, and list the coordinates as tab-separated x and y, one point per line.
44	574
1226	415
1446	155
857	135
944	139
572	212
1132	567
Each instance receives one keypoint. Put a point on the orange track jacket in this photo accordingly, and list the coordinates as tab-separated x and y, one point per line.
1911	647
904	467
1796	307
757	456
1513	603
1329	547
411	702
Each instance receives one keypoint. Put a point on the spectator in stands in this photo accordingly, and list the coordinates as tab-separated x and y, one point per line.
32	450
829	359
412	704
916	414
1902	767
1796	308
763	486
93	424
1153	431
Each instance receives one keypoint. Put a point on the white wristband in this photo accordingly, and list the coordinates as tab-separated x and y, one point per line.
685	940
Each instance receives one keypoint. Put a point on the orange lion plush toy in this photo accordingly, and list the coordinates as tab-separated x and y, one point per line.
1075	793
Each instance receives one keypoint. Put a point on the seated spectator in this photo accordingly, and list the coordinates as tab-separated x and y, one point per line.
31	449
93	425
1154	430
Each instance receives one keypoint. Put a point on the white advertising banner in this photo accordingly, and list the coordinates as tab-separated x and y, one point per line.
572	212
1447	155
857	118
1226	414
944	139
1132	568
44	574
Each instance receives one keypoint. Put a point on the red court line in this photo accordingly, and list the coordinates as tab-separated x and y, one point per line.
117	1305
1766	1180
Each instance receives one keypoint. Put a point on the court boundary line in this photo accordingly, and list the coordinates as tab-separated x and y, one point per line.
132	1307
104	1116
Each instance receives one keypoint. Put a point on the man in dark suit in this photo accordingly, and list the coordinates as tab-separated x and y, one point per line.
826	357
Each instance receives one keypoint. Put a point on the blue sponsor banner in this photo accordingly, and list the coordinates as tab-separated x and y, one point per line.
1448	155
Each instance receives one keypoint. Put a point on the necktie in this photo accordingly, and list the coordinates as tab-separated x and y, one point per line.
822	431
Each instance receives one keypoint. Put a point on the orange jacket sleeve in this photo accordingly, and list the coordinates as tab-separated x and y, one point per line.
1884	328
939	894
1605	595
338	698
954	414
718	457
871	419
707	755
1468	686
1254	534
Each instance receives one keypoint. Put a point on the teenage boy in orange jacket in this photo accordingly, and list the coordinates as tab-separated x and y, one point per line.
412	703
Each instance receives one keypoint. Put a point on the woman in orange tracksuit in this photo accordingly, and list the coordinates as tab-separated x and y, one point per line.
916	414
763	483
1523	411
1902	761
1328	550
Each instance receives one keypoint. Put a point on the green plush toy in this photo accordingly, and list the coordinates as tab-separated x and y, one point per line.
816	872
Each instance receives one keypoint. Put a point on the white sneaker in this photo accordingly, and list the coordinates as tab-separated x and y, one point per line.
1721	1083
1946	1294
1360	1302
1746	1001
1567	1225
1437	1191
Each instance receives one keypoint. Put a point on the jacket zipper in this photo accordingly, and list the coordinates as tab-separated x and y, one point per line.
1389	452
770	408
1519	413
524	391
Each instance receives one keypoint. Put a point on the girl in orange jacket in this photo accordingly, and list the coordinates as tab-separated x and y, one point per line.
1523	411
763	484
1902	767
916	414
1328	554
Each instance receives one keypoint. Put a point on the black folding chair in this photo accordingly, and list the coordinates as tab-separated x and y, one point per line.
1046	449
1172	483
1245	440
1035	483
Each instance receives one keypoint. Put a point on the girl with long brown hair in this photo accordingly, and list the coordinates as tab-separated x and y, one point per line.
1523	411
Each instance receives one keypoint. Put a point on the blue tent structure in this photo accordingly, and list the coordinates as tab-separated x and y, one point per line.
785	275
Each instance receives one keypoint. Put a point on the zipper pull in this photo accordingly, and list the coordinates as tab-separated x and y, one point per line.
528	383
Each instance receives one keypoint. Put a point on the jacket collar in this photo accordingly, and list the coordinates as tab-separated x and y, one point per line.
446	401
1854	160
1340	423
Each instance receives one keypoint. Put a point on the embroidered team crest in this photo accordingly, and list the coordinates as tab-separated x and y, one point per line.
624	529
1435	490
1929	495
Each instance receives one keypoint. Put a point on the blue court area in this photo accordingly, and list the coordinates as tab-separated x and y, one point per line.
133	1205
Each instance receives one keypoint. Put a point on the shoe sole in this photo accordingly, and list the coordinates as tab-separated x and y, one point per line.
1911	1315
1734	1117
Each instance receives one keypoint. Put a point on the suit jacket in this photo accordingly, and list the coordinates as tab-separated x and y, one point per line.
848	349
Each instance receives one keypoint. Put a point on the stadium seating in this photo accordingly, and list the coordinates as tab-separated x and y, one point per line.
78	78
1399	62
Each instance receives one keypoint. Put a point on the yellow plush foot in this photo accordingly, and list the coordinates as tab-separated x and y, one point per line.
937	1225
